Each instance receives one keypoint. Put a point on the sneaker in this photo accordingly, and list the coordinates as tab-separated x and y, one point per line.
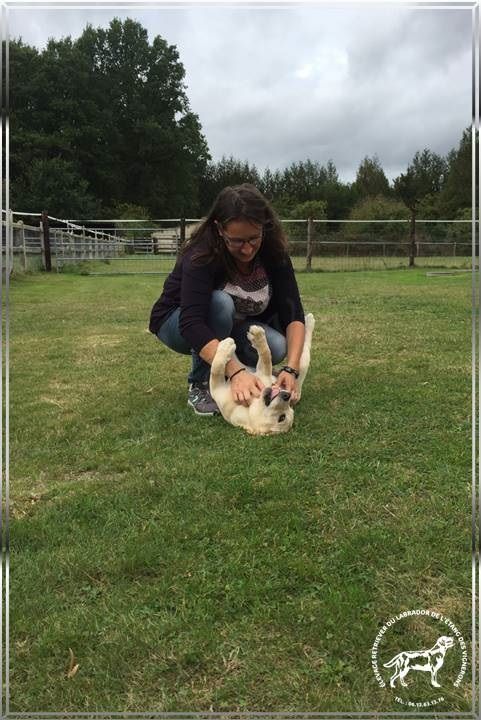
200	399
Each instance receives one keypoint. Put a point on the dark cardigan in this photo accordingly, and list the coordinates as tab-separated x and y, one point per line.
190	286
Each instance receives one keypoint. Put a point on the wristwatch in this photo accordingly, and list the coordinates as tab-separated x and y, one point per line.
290	370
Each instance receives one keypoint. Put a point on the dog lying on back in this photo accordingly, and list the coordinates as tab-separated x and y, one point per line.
271	413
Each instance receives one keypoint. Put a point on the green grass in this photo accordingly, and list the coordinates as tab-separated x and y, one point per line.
164	264
351	263
191	567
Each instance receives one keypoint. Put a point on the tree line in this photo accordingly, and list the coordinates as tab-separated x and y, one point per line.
102	127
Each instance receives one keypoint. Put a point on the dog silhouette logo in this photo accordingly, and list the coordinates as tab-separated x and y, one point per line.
430	660
423	626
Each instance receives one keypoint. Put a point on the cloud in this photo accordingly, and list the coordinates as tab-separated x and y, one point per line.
273	85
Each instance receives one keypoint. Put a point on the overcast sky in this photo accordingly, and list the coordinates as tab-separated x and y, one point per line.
273	85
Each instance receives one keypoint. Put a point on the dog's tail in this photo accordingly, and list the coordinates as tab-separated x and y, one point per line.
393	661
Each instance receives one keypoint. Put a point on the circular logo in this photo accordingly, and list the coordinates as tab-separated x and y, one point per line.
416	654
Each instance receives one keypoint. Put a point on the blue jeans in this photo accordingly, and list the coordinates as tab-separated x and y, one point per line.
221	322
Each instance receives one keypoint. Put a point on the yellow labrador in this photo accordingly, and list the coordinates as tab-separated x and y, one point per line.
272	412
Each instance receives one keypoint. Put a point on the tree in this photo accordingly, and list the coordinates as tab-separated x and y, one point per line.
377	208
456	194
226	172
461	232
339	199
158	150
424	176
315	209
270	183
331	173
55	115
307	180
370	179
302	181
116	106
55	185
25	142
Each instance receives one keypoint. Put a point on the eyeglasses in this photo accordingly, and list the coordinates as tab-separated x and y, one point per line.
237	243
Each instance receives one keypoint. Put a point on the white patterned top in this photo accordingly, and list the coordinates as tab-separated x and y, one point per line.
251	293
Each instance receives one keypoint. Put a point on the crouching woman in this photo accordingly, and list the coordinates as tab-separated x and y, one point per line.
234	272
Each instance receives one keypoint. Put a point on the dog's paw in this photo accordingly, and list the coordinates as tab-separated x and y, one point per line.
256	335
226	348
310	321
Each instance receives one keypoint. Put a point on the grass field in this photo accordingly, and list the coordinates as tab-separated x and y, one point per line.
191	567
165	263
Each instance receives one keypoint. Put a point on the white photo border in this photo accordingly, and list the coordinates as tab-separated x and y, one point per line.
5	269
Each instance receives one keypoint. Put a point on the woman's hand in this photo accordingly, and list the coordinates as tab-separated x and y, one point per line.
245	387
288	382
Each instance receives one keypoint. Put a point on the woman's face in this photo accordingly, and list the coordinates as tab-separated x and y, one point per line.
242	238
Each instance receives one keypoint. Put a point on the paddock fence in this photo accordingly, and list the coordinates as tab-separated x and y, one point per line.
21	246
113	247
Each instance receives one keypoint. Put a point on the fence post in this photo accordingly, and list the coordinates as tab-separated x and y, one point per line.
59	252
9	247
412	246
46	255
24	249
310	233
182	235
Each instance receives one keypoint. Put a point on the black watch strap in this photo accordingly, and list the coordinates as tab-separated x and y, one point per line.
291	371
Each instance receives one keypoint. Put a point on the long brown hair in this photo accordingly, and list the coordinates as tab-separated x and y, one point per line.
240	202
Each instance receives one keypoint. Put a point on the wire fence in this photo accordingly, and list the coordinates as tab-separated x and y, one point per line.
100	247
329	245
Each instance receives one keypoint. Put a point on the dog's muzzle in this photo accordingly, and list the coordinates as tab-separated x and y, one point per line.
270	393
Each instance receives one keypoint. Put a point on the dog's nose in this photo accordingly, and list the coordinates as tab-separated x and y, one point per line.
285	395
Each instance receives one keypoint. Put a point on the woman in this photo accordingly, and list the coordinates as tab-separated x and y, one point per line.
234	272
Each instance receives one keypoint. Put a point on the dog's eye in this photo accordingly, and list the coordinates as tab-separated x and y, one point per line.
281	418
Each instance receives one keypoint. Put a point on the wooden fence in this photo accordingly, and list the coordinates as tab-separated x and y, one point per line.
129	246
